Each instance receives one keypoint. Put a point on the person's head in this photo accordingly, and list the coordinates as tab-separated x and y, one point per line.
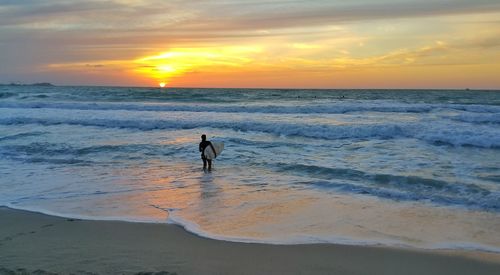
203	137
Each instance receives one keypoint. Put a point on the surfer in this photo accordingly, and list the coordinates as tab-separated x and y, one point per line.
203	144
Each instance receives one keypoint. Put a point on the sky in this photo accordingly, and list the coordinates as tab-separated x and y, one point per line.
444	44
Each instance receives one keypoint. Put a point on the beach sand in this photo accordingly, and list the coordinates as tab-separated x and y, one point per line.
41	243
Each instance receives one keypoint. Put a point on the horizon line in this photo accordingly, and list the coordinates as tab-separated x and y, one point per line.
241	88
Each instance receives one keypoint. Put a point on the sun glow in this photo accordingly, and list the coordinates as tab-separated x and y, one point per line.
181	61
162	84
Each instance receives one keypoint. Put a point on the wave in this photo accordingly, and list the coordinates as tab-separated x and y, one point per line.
493	118
265	144
7	94
486	137
41	153
57	161
396	187
332	108
54	153
21	135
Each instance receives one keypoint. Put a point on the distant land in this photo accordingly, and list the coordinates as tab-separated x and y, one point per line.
47	84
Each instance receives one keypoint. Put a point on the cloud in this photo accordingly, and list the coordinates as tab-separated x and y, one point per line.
95	65
234	15
166	22
487	42
286	14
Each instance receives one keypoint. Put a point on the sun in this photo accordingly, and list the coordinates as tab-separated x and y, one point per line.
162	84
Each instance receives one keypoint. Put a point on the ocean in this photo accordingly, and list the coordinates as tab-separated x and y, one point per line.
406	168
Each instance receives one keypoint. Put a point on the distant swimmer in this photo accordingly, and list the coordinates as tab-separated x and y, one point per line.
204	144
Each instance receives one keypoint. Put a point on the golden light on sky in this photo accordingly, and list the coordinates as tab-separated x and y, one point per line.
284	43
180	61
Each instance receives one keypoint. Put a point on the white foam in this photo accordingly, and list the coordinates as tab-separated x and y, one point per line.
78	216
311	108
431	131
478	117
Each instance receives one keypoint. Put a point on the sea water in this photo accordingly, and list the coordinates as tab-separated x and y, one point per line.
415	168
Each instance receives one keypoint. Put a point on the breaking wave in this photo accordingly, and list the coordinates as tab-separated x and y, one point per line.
486	137
331	108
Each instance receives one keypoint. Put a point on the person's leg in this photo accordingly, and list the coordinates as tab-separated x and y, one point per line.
209	164
204	162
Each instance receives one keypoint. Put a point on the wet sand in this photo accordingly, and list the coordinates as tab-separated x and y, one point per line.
41	244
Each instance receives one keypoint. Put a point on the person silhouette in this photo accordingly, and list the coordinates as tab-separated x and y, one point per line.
203	144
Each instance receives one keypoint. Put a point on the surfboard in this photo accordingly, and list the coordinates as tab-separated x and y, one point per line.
218	146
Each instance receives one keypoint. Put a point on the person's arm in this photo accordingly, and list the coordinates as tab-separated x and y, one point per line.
199	147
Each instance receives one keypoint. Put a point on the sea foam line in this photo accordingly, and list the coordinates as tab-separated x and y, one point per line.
193	228
331	108
340	240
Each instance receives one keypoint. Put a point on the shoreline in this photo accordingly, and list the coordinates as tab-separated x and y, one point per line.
193	229
34	241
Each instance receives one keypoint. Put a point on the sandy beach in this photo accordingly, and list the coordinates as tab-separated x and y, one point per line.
37	243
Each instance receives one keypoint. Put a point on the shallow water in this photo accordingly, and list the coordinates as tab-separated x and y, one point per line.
407	168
